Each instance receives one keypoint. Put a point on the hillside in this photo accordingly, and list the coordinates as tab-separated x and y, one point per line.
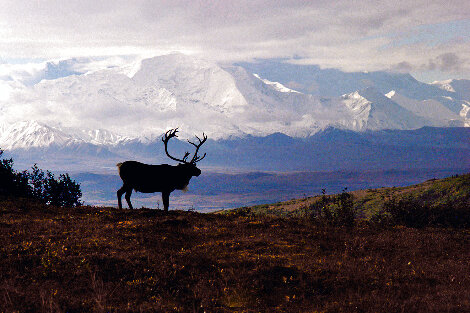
432	193
106	260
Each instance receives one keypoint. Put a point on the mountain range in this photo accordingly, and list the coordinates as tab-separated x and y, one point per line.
72	110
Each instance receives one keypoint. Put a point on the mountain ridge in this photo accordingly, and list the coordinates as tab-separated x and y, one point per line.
330	149
222	101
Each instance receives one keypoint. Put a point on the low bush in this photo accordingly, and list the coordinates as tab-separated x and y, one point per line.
411	212
335	210
38	185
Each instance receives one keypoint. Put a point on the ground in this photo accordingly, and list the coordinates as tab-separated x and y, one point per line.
107	260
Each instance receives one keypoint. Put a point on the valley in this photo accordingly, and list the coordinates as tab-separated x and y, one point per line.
215	191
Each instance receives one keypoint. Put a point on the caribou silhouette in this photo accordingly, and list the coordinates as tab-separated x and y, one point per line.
162	178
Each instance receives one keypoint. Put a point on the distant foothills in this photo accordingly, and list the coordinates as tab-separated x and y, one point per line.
254	170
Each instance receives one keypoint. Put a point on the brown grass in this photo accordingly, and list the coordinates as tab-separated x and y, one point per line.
104	260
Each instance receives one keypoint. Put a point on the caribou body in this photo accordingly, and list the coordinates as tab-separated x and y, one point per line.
162	178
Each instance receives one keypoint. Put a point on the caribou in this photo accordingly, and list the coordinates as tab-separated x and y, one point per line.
162	178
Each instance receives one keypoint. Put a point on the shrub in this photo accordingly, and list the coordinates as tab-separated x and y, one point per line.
414	213
380	219
407	212
37	185
241	212
11	182
335	210
62	192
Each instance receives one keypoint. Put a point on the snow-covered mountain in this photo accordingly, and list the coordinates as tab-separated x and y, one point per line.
433	111
88	101
371	110
459	99
101	137
32	134
459	88
324	82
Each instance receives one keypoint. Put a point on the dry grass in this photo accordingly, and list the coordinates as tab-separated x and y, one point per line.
104	260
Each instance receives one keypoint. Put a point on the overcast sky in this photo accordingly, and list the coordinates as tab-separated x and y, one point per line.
428	38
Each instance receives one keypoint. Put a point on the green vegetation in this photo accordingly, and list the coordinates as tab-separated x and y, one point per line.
443	202
38	186
321	254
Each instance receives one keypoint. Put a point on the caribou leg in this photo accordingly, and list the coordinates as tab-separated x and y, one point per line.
166	200
128	197
120	192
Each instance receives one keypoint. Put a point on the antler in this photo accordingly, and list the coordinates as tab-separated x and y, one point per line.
172	133
195	157
168	135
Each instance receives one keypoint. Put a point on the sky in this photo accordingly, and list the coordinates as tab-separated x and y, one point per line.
430	39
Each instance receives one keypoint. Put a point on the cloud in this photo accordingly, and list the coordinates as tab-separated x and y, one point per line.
404	67
447	62
359	35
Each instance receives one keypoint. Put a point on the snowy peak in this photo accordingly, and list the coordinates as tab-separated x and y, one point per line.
29	134
101	137
444	85
277	86
387	114
191	80
465	114
34	134
433	111
390	94
105	105
359	108
460	88
372	110
328	82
